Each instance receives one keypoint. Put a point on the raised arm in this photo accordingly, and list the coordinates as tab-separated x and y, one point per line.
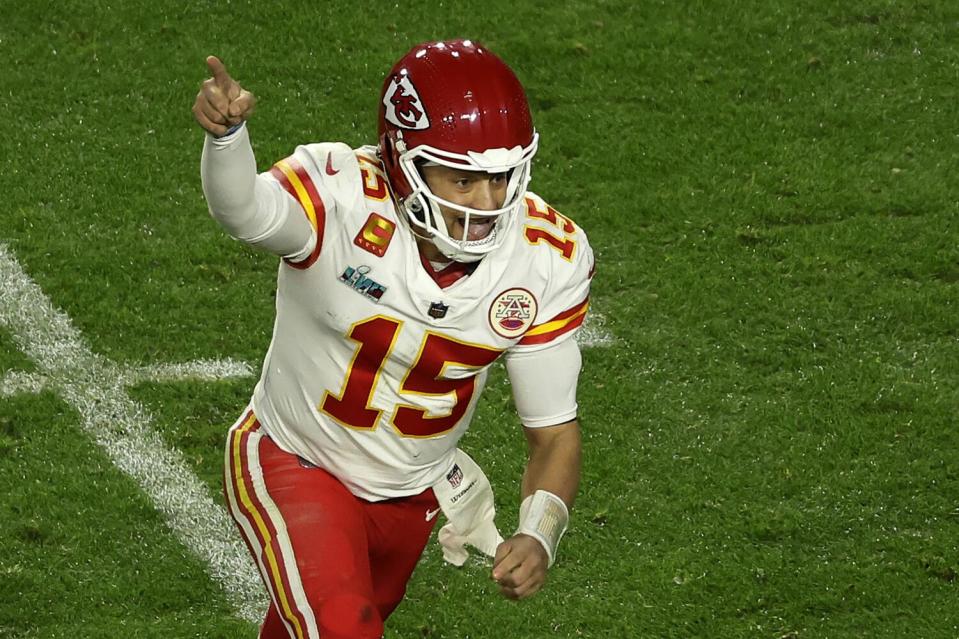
252	209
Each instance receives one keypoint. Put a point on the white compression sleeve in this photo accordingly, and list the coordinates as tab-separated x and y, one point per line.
544	383
252	208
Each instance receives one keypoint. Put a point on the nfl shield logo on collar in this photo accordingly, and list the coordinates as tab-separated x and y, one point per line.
438	310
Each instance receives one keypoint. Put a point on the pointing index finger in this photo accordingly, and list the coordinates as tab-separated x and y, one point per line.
220	75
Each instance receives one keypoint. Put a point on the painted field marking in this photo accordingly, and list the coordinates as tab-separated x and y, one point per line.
96	388
204	370
593	332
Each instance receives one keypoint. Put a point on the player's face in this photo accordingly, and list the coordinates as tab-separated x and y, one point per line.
475	189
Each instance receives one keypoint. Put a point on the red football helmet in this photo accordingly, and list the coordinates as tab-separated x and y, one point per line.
458	105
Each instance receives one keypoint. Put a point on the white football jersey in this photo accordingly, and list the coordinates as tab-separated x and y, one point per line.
375	370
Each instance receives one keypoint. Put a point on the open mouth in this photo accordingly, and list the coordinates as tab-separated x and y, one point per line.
479	227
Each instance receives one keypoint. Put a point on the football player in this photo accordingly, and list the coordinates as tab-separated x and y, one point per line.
407	269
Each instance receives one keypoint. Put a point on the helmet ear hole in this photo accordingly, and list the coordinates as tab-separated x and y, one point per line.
415	209
415	206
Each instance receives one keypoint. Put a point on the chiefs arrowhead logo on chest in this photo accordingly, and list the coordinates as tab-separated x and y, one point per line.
512	312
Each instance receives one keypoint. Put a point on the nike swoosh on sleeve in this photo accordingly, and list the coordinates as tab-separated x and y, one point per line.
329	165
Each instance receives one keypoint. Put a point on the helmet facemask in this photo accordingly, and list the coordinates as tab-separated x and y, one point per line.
423	207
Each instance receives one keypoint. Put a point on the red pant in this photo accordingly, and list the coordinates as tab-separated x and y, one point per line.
335	565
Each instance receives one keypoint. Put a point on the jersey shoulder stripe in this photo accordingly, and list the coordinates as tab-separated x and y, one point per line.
561	257
561	324
295	180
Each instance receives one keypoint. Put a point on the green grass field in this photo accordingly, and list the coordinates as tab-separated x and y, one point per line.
770	187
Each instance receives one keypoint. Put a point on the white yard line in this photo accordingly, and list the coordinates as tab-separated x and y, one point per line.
17	382
208	370
95	387
201	369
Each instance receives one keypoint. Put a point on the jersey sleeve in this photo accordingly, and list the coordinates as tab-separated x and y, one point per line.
544	383
544	365
246	205
321	181
567	264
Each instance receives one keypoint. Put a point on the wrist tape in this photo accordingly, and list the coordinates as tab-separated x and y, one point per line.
544	517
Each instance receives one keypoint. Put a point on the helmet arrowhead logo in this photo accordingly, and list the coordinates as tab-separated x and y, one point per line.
403	105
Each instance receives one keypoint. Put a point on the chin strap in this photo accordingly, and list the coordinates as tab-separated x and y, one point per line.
544	517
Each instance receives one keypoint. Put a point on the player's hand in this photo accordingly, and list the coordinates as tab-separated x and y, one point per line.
519	566
221	102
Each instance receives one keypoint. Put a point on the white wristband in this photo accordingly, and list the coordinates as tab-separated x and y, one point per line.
544	517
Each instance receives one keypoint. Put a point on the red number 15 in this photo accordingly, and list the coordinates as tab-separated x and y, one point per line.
376	337
534	235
